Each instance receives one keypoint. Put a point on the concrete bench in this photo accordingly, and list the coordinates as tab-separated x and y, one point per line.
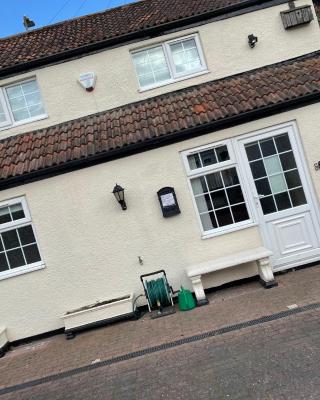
4	342
260	255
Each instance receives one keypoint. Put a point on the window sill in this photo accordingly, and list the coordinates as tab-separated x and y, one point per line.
24	122
183	78
239	227
22	270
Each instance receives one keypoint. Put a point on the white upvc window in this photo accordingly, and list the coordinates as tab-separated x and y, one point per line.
19	251
168	62
217	192
20	103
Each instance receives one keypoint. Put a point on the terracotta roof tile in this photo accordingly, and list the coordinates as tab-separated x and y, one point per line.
97	28
160	116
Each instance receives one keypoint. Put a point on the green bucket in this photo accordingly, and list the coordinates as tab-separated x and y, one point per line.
186	300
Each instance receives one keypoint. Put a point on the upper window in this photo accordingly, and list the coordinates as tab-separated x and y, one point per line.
168	62
216	188
20	103
19	251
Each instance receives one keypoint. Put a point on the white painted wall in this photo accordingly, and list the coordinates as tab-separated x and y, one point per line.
225	47
90	246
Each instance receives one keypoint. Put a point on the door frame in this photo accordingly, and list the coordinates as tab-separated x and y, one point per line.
297	147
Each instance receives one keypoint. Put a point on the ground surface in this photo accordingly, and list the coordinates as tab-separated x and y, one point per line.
277	360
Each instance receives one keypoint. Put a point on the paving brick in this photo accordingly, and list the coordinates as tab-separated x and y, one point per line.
275	353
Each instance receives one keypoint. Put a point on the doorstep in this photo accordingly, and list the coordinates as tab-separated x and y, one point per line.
231	306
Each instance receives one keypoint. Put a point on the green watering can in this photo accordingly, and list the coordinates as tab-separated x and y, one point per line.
186	300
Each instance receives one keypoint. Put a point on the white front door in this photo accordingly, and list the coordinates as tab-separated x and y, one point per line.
282	194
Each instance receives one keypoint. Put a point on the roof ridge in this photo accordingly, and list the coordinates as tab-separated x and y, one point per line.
44	27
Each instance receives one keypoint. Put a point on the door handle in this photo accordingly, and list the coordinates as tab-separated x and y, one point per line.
260	196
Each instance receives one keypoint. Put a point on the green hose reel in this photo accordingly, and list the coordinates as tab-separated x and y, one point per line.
157	291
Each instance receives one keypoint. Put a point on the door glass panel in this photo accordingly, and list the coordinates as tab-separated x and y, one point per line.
277	183
273	165
275	173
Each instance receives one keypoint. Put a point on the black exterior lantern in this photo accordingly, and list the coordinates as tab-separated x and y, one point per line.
118	192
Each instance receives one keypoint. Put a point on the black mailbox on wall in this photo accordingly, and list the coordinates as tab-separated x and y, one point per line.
168	202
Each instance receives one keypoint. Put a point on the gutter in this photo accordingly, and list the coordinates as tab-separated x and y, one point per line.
226	12
160	141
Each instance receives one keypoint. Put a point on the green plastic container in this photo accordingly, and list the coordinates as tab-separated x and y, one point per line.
186	300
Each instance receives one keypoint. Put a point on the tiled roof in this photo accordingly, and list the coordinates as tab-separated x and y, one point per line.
161	117
101	27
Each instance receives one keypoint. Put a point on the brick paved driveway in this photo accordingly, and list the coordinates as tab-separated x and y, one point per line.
277	360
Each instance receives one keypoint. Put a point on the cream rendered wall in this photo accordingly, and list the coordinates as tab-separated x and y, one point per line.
90	246
226	51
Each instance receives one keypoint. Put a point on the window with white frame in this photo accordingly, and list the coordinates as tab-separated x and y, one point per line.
19	250
20	103
169	61
216	188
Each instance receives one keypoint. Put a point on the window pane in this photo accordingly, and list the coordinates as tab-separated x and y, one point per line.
15	258
32	254
208	157
297	197
263	186
224	217
268	205
230	177
26	235
219	199
18	103
273	165
10	239
151	66
14	91
1	246
203	203
25	100
222	153
240	213
208	221
3	263
278	184
293	179
288	161
253	152
267	147
17	211
194	161
20	115
283	143
258	170
185	56
283	201
5	215
3	117
29	87
235	195
199	185
214	181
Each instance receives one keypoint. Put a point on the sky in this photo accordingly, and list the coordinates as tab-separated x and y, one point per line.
45	12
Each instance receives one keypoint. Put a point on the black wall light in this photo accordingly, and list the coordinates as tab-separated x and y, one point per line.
252	40
118	192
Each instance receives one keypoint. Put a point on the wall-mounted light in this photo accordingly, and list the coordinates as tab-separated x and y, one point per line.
118	192
252	40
